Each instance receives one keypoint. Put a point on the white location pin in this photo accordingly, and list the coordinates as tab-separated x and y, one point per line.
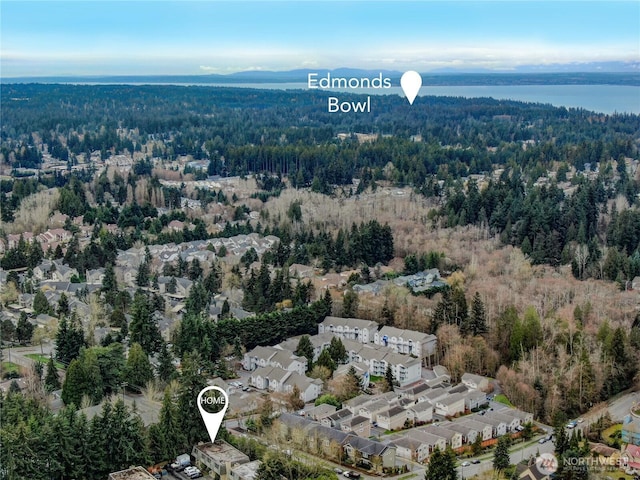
411	82
212	420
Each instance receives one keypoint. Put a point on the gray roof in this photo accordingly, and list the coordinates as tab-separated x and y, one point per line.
367	446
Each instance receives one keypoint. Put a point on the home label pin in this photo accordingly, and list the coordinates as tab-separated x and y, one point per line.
213	421
411	82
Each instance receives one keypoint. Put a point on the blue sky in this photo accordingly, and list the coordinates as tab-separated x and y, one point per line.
164	37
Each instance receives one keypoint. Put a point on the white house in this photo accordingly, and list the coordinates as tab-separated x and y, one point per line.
484	429
475	382
408	342
310	388
474	398
429	442
511	421
349	328
392	418
454	439
420	412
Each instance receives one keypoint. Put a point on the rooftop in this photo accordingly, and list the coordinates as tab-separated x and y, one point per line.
222	452
135	473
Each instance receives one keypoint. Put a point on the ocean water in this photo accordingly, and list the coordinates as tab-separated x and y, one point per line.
598	98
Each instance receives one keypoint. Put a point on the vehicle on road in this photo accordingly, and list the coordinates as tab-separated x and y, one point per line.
350	474
572	424
542	440
475	462
465	464
337	470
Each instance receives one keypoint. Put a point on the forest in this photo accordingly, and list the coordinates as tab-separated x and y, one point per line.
530	211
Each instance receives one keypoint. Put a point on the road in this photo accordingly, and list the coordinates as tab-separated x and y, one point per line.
618	408
517	454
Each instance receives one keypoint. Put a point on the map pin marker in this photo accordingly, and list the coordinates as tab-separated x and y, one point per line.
411	82
213	420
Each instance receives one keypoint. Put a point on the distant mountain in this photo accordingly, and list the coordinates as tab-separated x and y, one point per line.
576	67
602	73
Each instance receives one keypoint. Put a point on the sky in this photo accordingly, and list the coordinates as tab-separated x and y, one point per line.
166	37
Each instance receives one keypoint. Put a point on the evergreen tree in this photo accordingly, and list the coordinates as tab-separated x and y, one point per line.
40	303
172	285
328	302
198	299
24	329
337	351
51	379
76	383
69	340
352	384
389	379
166	437
441	466
166	371
325	360
225	311
386	315
305	349
191	382
350	302
138	371
143	275
478	323
63	305
143	328
501	459
110	284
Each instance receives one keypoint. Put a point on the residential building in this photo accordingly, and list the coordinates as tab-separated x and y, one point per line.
484	429
450	405
408	342
245	471
475	382
429	442
133	473
320	412
349	328
511	421
337	418
357	424
474	399
218	457
498	427
392	418
630	432
454	439
421	412
310	388
375	454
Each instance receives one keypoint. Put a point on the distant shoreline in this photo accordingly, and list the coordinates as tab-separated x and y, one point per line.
443	79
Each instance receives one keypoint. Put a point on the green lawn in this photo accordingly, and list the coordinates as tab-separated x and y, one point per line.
375	379
10	367
611	434
503	399
44	359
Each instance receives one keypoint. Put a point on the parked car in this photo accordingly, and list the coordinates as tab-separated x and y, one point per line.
475	462
337	470
542	440
192	472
